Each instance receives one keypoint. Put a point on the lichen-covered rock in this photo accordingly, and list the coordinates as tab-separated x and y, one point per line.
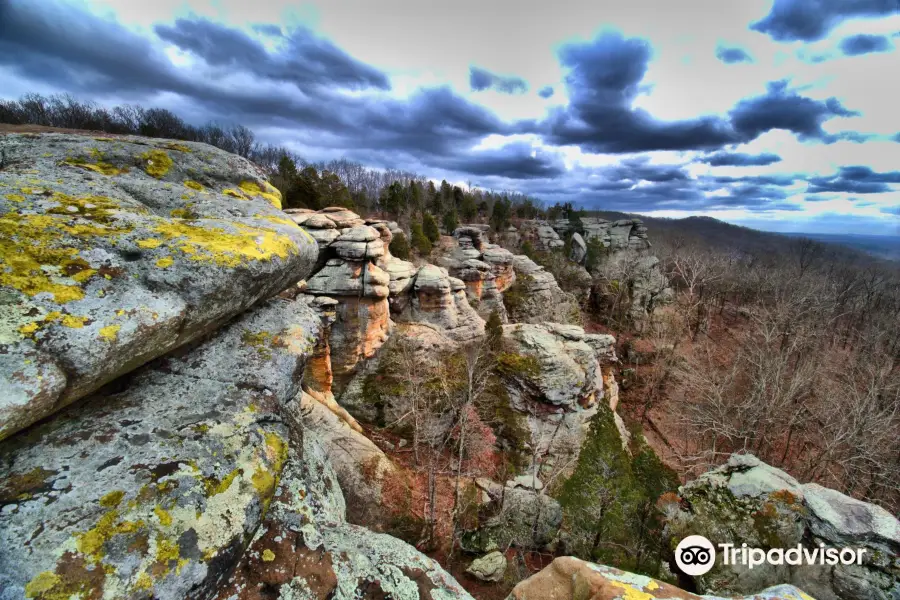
154	490
555	377
748	501
569	578
490	567
115	251
305	549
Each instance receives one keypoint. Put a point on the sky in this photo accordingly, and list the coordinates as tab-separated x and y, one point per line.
779	115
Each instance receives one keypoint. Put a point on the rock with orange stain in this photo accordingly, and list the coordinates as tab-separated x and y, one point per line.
569	578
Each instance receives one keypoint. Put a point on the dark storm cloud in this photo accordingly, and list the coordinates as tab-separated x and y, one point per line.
732	55
604	79
896	138
864	44
812	20
853	136
855	180
513	161
60	46
480	80
783	108
891	210
740	159
545	92
303	58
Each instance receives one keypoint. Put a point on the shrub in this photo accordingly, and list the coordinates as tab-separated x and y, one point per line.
419	240
430	228
400	246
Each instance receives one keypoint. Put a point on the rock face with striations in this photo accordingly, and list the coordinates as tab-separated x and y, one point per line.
747	501
352	276
569	578
616	235
116	250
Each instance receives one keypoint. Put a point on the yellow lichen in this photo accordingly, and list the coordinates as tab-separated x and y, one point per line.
42	582
225	249
104	168
268	555
234	194
164	263
214	487
166	550
279	220
165	519
264	482
112	499
28	328
149	243
83	276
110	332
631	592
74	321
158	163
15	197
179	147
193	185
268	191
143	582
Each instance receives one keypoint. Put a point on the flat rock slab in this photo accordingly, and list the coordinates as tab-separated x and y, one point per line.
154	491
116	251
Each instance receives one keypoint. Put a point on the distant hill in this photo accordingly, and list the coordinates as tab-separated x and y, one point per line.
882	246
720	234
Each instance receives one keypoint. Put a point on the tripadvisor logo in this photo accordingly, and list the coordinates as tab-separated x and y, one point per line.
695	555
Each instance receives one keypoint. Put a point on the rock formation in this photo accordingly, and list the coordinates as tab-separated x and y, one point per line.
537	297
616	235
747	501
115	251
557	375
485	268
568	578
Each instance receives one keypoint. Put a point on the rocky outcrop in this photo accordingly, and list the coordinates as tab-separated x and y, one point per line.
514	516
116	251
441	300
351	276
537	295
568	578
616	235
579	248
485	268
748	501
155	489
556	376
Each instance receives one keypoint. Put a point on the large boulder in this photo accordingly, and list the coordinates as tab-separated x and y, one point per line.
569	578
114	251
154	489
490	567
748	501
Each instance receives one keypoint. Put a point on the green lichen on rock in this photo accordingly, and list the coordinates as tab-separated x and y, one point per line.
156	163
97	165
